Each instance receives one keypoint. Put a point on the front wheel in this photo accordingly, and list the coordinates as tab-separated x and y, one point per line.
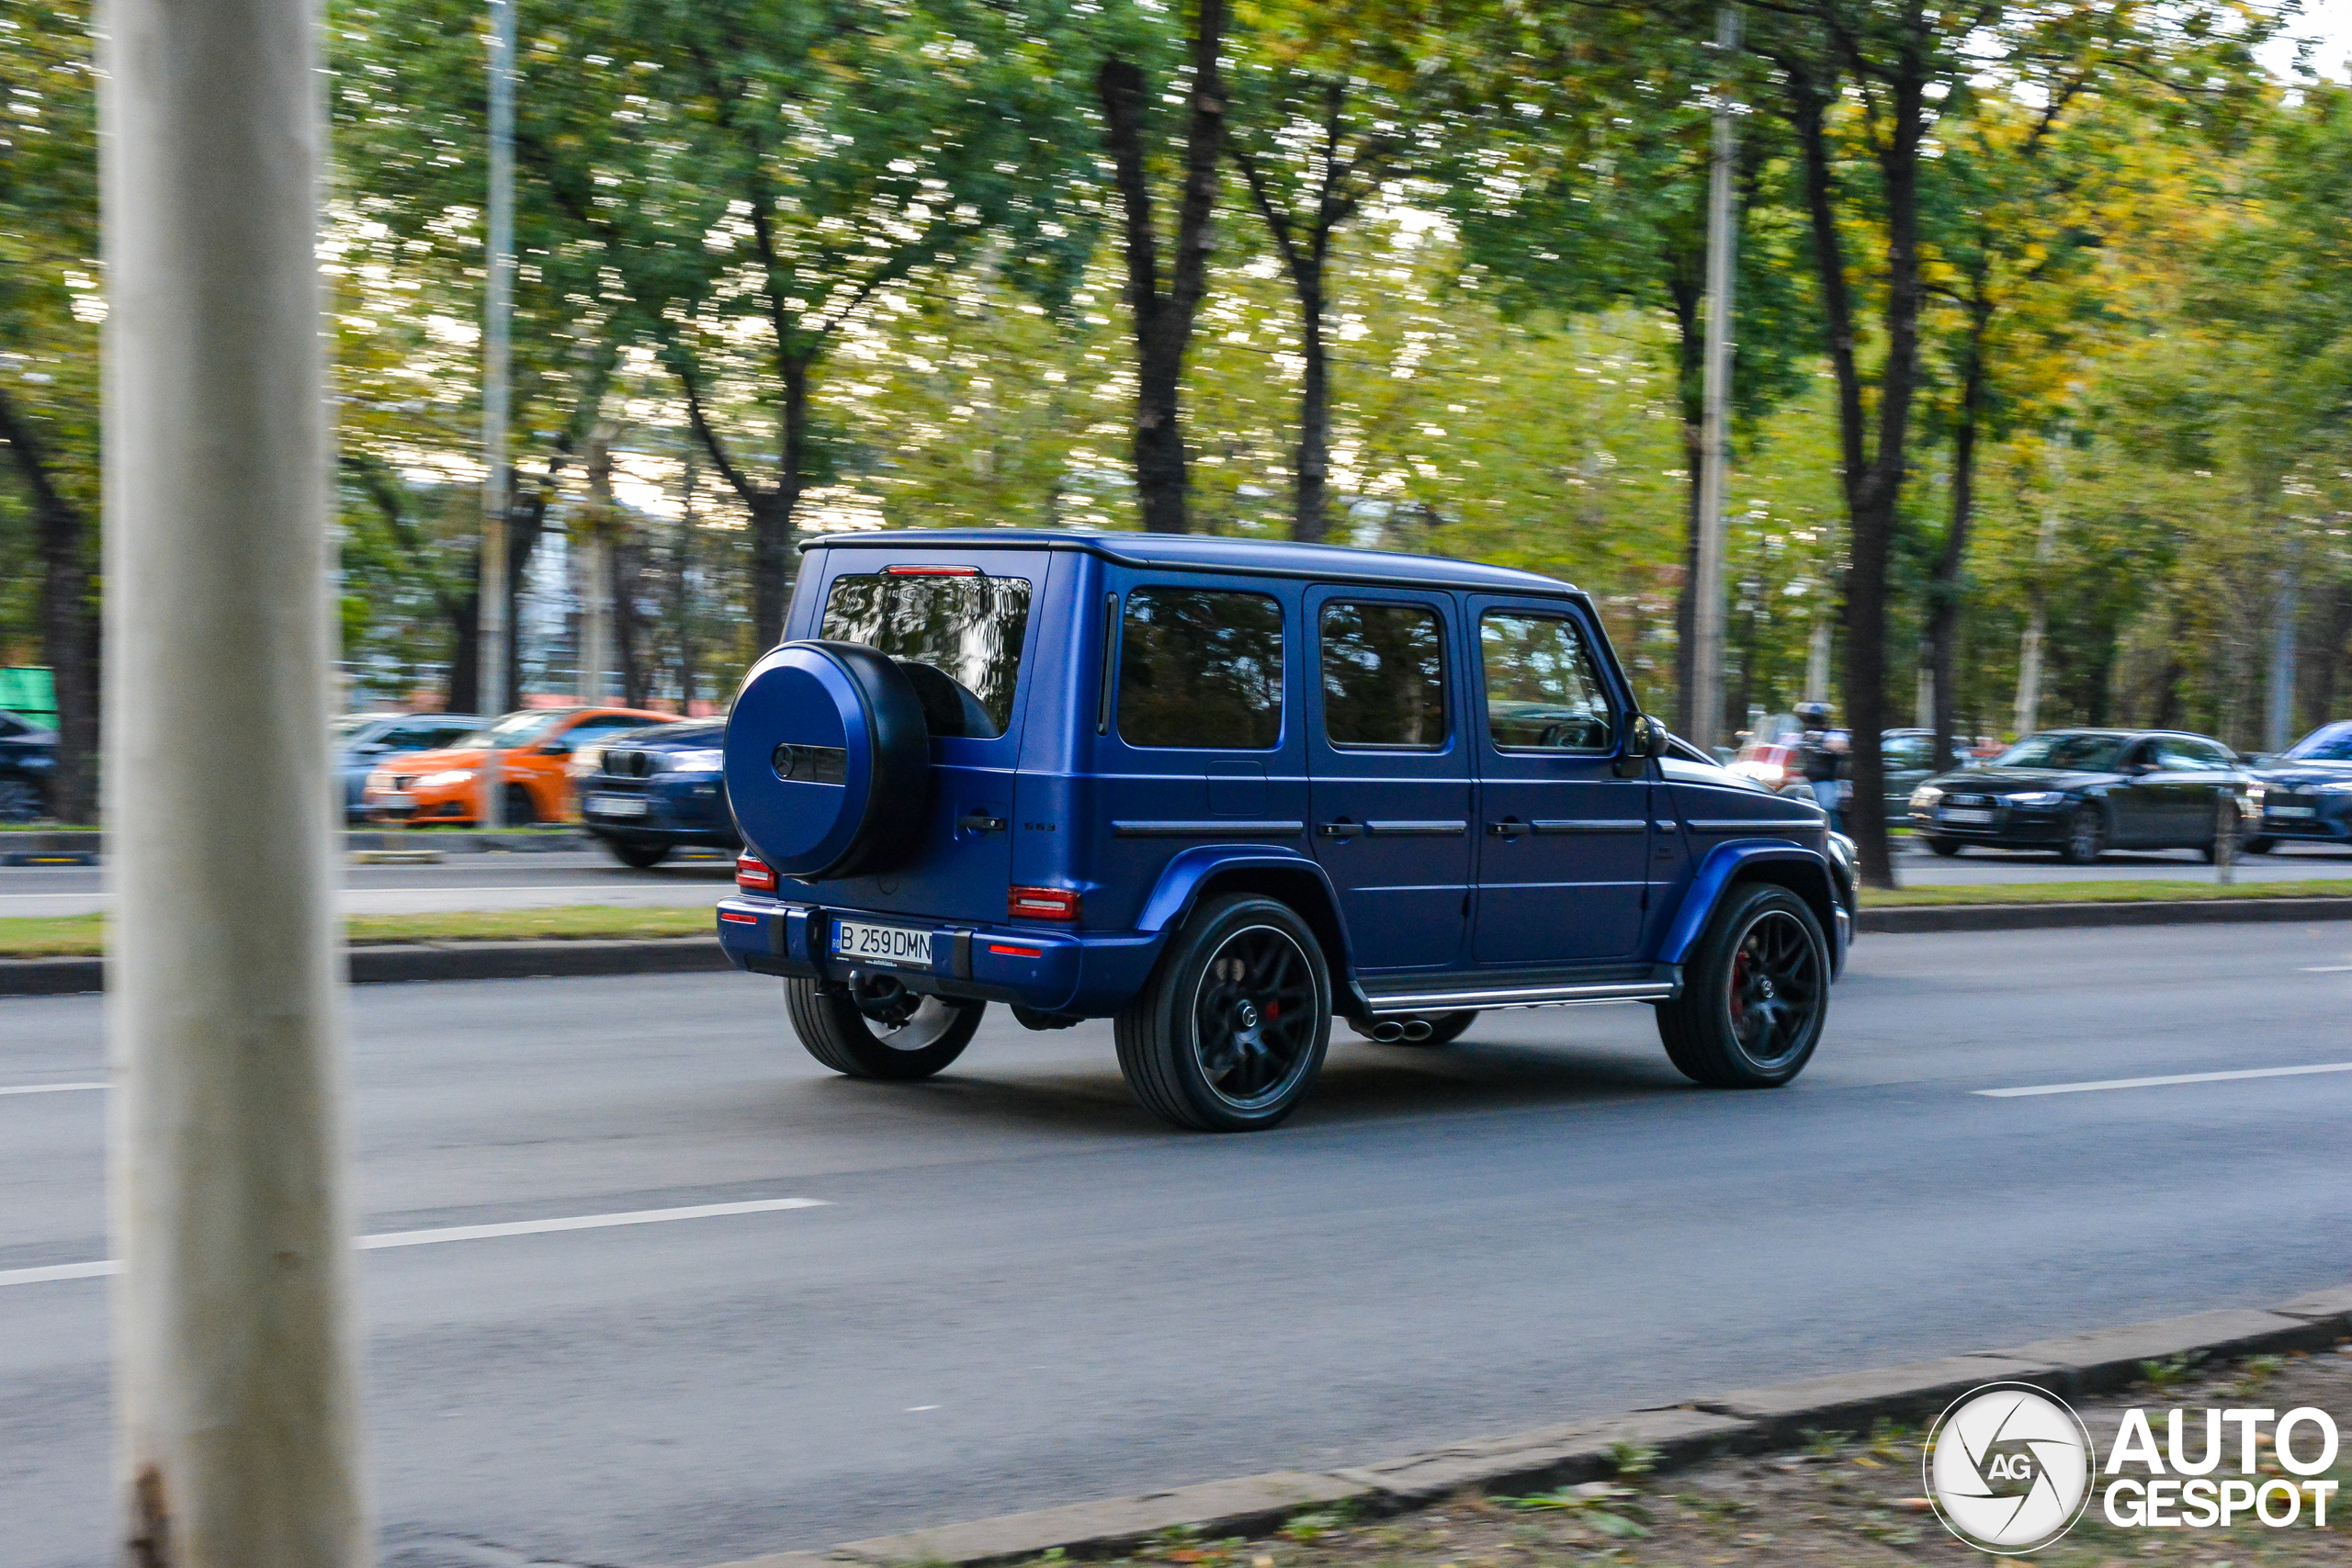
1755	993
876	1028
2086	837
2258	845
1230	1034
643	857
1945	847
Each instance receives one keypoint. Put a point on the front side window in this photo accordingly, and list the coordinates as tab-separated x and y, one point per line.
516	728
1543	691
2179	754
1201	668
1384	675
966	626
2064	750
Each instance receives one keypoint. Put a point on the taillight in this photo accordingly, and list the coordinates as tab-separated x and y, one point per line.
1041	904
753	874
930	571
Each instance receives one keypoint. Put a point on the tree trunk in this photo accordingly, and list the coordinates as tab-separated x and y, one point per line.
1311	522
1874	462
69	633
1944	593
1164	320
465	654
1684	294
681	565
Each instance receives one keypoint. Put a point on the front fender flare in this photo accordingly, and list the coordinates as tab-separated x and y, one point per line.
1805	871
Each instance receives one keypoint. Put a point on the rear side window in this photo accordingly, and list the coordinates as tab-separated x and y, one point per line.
1384	675
1544	692
968	629
1202	669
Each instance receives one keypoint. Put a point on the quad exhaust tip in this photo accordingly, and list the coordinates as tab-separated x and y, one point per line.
1410	1031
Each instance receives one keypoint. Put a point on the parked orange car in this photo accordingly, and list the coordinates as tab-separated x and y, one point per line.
443	789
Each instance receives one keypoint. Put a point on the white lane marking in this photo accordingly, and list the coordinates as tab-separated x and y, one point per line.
462	1233
2167	1079
49	1088
2327	968
583	1223
919	1409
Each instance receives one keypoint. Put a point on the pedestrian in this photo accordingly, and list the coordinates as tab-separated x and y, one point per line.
1822	751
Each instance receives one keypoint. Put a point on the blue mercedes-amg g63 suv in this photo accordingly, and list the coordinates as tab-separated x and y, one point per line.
1223	791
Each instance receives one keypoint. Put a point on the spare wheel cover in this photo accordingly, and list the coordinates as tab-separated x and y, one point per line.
828	759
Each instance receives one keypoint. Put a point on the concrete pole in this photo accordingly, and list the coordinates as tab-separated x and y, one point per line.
2028	716
1817	657
235	1387
1723	239
595	569
497	680
2278	718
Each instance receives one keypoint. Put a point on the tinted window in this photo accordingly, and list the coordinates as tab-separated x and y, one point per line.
2180	754
968	629
2333	744
1384	675
1544	692
2058	749
1906	750
1201	667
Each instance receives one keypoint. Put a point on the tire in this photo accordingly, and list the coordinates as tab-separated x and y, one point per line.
1755	993
878	1029
2258	845
20	801
1946	848
643	857
1444	1029
2225	821
519	811
2086	837
1206	1046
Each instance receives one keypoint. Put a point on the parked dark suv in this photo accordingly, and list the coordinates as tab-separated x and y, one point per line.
1221	791
27	767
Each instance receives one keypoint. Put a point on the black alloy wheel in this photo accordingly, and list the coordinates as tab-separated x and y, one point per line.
1944	847
2225	825
1231	1030
643	857
2258	845
2085	836
1755	993
20	801
876	1027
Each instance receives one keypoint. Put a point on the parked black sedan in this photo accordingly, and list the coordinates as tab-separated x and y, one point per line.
28	762
2081	792
2307	792
653	790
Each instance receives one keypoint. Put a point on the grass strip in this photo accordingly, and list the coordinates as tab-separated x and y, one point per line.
84	936
2148	890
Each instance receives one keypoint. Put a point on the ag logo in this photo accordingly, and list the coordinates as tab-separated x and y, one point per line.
2008	1468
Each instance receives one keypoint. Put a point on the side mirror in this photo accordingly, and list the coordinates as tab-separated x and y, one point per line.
1643	739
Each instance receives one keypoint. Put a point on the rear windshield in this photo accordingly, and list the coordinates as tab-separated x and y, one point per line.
968	629
2089	753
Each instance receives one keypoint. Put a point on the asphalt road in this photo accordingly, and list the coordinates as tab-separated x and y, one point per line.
539	881
1020	1292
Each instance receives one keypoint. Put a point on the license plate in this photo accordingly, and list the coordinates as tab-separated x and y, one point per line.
615	806
1963	814
2289	811
862	943
391	797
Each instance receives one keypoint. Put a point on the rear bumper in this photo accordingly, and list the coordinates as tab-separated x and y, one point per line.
1091	974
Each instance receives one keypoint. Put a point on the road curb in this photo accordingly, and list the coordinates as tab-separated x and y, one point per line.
2046	917
1744	1421
378	964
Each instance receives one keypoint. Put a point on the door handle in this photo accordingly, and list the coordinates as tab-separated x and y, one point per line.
1341	829
980	823
1509	828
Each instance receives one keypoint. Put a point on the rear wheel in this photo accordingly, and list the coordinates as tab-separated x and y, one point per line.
1230	1034
2226	825
1944	847
2258	845
644	857
876	1028
1754	994
2086	837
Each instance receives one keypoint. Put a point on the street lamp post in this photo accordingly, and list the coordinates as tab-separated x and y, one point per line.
497	679
1707	590
235	1390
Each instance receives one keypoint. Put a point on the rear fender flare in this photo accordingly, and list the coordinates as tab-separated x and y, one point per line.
1206	869
1801	871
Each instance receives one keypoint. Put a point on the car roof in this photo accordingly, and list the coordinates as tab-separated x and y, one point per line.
1213	552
